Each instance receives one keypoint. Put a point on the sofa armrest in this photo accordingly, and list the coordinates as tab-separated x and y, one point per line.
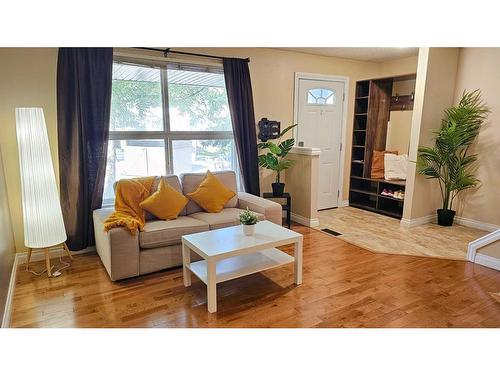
271	210
117	248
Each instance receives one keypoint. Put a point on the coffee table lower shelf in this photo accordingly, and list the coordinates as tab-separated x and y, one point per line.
242	265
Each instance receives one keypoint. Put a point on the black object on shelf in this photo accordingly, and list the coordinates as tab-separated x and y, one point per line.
268	129
285	207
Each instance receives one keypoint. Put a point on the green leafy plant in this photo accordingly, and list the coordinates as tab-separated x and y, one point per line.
449	160
247	217
274	159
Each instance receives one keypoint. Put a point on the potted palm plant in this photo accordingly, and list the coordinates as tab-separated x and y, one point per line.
449	161
275	160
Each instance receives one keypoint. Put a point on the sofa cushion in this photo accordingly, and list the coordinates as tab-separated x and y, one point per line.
191	181
166	203
377	170
163	233
226	218
174	182
211	194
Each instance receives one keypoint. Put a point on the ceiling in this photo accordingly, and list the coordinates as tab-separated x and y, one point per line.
375	54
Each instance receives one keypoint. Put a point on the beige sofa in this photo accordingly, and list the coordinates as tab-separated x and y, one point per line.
159	245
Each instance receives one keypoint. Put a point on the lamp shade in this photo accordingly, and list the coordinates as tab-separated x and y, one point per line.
42	215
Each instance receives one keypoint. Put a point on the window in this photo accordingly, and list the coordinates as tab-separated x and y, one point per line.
321	96
167	119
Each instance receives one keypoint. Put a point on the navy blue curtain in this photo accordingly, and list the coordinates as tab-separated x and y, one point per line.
240	98
84	77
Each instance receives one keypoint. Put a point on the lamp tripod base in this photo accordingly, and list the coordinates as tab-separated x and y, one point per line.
47	258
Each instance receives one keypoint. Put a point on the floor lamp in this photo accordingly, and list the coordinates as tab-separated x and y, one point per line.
42	215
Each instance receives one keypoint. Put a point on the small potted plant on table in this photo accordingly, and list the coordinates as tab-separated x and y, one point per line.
248	219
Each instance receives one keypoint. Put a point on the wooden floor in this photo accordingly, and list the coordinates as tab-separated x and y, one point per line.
384	234
343	286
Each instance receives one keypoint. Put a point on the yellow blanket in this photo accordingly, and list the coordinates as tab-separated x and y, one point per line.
129	194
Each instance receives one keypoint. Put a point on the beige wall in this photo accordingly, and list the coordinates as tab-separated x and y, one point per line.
398	67
492	250
273	73
405	87
28	79
441	80
302	183
7	249
479	68
398	132
434	92
399	126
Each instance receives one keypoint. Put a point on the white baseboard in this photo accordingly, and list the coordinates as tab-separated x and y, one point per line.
476	224
471	223
53	253
410	223
305	221
344	203
475	245
7	312
487	261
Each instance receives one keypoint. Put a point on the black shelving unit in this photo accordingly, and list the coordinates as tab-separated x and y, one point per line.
371	111
366	193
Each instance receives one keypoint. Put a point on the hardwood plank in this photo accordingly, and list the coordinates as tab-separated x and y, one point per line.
343	286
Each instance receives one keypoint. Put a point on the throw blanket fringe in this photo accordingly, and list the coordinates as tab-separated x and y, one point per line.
128	214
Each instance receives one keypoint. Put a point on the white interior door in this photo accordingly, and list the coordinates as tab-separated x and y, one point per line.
320	106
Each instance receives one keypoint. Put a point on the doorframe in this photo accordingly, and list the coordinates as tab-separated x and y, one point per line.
343	136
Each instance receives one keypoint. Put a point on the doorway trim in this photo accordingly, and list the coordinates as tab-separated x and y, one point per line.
343	136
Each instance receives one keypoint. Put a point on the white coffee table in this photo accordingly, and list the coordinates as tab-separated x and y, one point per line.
228	254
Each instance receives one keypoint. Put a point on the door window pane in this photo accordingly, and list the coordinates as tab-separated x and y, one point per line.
321	96
201	155
136	99
133	158
197	101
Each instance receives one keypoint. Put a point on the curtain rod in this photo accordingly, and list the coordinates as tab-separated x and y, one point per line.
166	51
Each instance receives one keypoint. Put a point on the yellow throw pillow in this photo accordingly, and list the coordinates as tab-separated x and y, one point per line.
211	194
166	203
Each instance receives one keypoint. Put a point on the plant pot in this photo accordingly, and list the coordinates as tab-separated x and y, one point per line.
248	230
445	217
278	188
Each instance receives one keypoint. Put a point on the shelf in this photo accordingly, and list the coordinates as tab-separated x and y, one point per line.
376	210
401	183
362	206
364	192
391	182
362	89
389	213
242	265
369	133
391	198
